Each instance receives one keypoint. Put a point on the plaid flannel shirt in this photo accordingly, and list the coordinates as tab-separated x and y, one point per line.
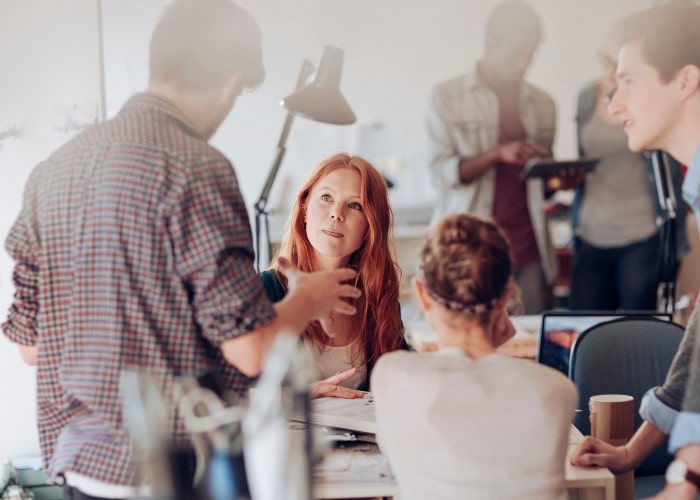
133	250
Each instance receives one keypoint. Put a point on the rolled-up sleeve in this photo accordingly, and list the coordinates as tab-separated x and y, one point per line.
214	255
654	411
673	391
686	431
444	157
21	245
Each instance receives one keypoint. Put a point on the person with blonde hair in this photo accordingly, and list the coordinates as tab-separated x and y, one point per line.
341	218
466	421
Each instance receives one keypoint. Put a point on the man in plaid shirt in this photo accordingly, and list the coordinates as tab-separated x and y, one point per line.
133	251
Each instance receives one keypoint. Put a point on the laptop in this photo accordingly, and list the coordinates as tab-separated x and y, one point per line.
559	330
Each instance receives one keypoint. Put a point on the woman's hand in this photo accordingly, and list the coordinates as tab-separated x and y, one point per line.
319	293
594	452
330	387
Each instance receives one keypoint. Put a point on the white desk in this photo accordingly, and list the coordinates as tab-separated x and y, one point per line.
585	483
356	471
364	472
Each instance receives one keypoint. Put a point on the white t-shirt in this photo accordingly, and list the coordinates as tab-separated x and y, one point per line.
330	360
457	428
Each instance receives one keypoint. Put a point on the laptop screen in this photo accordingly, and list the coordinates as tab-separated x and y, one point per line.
560	329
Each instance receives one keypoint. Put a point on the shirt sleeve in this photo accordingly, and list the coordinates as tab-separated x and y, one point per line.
654	411
686	431
444	157
22	246
673	390
213	252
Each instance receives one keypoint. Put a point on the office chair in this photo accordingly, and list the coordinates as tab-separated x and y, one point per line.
626	356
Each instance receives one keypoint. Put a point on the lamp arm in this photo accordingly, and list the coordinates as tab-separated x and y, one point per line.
261	204
307	68
261	212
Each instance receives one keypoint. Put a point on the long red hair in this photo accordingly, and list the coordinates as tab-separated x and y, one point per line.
379	324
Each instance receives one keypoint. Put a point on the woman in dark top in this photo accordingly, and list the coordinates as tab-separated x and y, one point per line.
342	218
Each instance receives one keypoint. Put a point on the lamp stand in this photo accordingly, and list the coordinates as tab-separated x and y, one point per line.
262	215
666	291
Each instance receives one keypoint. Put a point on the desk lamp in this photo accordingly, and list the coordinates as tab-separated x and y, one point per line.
321	101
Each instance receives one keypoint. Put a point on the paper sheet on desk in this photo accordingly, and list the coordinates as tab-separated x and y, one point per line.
339	460
362	460
352	414
325	433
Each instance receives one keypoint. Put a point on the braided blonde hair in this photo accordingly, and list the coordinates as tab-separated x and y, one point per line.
465	264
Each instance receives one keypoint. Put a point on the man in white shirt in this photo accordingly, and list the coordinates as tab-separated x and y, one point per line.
483	127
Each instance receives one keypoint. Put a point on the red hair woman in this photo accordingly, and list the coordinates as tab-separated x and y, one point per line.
342	218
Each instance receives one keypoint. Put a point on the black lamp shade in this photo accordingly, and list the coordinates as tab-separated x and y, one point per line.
321	99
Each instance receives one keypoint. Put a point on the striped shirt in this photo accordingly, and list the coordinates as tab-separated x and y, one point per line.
133	250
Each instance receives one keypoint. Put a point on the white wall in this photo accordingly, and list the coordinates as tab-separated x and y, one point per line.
49	55
395	50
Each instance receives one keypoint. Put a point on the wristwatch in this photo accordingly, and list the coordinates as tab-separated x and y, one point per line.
678	472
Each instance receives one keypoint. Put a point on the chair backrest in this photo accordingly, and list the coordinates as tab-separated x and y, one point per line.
624	356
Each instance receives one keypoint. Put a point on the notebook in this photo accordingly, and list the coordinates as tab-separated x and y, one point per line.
351	414
560	329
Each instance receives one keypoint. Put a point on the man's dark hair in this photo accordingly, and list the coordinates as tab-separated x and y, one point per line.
513	20
199	44
669	36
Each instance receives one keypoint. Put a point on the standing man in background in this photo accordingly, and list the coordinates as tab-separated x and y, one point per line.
483	127
133	251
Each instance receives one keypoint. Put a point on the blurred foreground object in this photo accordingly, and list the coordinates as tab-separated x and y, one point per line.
279	458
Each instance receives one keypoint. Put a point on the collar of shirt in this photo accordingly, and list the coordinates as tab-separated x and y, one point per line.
164	106
458	352
476	81
691	184
451	351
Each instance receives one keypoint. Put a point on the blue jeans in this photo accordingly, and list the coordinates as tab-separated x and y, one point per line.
608	279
